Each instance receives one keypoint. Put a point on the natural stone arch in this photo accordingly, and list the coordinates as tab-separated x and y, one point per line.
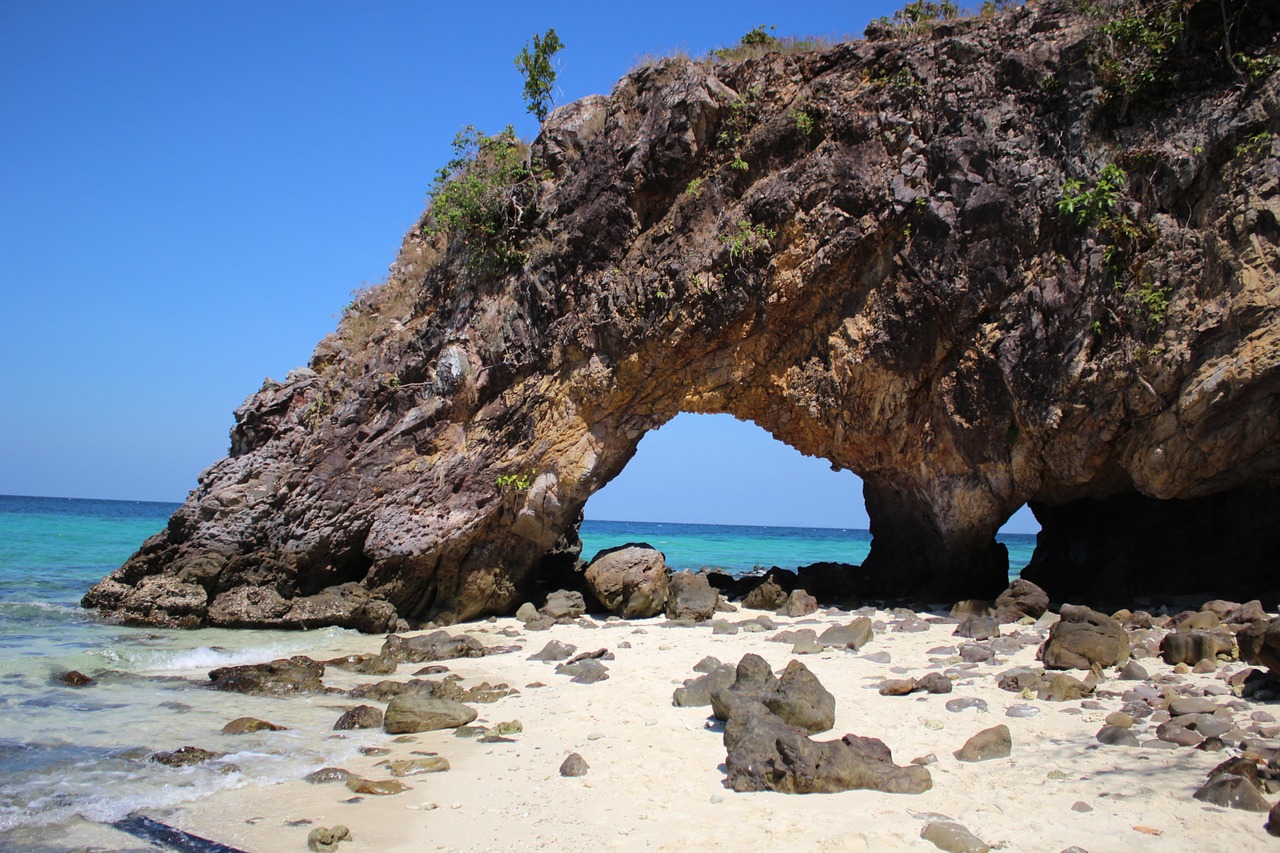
922	315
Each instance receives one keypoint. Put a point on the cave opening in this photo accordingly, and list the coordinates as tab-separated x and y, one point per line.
710	490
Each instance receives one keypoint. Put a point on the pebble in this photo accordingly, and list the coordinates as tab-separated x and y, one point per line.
1022	711
964	703
1081	806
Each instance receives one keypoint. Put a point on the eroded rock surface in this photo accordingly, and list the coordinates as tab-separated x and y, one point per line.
895	290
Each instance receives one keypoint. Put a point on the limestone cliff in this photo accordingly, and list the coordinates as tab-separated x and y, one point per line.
876	252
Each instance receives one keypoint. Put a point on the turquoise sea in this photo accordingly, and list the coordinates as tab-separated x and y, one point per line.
73	761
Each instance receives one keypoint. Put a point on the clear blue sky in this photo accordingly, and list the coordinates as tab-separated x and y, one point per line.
190	191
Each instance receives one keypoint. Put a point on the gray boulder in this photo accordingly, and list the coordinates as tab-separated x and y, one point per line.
691	597
632	581
1084	638
1022	598
799	699
564	605
853	636
414	712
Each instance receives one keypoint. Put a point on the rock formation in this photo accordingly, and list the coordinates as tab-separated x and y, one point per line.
873	251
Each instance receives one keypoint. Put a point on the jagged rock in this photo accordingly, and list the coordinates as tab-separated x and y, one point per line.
766	754
587	671
1062	688
184	756
438	645
359	717
632	581
978	628
898	294
1247	613
375	787
1084	638
1018	679
799	699
799	603
698	691
1022	598
327	774
297	674
416	766
249	725
995	742
767	596
564	605
935	683
691	597
1232	792
853	636
412	712
752	680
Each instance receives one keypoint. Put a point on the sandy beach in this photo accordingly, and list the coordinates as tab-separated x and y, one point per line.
656	777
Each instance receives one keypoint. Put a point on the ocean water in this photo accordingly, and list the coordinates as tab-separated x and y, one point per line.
73	761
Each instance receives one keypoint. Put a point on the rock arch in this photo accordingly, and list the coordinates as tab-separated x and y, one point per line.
895	292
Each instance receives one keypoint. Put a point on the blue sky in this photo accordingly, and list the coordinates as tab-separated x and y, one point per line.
189	192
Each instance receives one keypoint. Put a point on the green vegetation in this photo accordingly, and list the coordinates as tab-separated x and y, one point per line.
1255	68
919	16
539	74
736	125
1089	205
1255	144
515	482
485	196
694	187
1130	50
757	41
803	122
747	239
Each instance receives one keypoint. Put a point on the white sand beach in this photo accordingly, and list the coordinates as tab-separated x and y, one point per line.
656	777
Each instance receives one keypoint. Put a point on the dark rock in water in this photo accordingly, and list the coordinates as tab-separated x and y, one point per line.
417	766
1084	638
1232	792
1117	736
359	717
1022	599
698	691
327	774
853	636
248	725
632	580
297	674
766	754
584	672
799	699
376	787
995	742
799	603
691	597
75	678
438	645
1194	646
409	713
324	839
554	651
184	756
767	596
978	628
952	837
564	605
574	765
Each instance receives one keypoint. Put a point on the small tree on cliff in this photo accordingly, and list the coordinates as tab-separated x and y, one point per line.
539	74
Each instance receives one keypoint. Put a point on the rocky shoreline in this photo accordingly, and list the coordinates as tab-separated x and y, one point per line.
993	724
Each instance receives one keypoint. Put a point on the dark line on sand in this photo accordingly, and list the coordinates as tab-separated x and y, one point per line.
141	826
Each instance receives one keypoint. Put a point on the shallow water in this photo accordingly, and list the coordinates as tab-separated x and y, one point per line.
73	760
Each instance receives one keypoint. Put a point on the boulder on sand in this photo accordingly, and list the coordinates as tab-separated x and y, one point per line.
632	581
1084	638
